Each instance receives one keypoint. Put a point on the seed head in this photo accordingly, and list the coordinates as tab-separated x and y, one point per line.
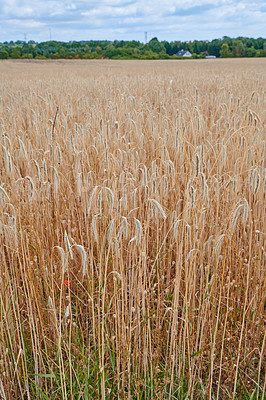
63	257
138	231
68	246
84	258
94	228
158	207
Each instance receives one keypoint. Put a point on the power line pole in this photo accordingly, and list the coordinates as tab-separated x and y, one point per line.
146	37
25	37
50	34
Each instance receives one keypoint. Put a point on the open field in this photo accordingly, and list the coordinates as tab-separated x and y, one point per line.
133	230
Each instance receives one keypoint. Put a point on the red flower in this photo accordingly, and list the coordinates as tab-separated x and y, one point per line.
67	283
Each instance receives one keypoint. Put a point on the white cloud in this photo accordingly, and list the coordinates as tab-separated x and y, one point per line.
111	11
29	23
128	19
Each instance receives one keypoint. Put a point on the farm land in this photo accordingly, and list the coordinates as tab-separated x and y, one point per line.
132	229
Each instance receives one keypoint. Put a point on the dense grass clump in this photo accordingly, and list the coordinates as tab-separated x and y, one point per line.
132	230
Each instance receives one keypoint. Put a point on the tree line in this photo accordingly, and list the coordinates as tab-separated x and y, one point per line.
121	49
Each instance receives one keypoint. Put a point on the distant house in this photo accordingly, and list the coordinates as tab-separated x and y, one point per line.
210	56
183	53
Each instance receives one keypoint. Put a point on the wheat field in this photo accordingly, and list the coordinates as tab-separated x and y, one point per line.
132	229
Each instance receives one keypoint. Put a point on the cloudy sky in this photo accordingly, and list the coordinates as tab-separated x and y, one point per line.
129	19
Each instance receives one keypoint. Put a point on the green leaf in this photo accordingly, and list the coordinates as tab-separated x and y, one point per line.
45	375
198	352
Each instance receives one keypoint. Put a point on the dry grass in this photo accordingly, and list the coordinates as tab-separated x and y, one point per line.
132	230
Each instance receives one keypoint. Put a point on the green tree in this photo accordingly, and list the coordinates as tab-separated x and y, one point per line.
3	54
62	52
225	51
238	48
214	47
15	53
251	52
156	46
28	56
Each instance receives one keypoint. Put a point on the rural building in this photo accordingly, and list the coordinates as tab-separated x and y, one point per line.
183	53
210	56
